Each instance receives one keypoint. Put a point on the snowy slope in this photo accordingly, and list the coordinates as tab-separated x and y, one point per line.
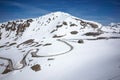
59	44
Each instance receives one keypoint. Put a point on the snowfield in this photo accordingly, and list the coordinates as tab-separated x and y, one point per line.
59	46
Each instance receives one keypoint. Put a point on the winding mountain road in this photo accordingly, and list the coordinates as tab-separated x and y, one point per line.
33	52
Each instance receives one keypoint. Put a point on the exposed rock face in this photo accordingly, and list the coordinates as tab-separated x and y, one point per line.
92	34
15	28
36	68
80	41
74	32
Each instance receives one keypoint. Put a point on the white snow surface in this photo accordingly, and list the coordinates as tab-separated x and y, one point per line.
53	39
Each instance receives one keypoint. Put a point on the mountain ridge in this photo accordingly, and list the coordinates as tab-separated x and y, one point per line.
26	23
52	25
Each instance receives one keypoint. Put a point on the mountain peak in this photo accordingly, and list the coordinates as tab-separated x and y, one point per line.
60	12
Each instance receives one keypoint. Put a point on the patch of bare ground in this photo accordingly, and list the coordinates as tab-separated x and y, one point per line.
0	36
71	25
36	67
58	26
7	70
30	41
82	23
80	41
58	36
74	32
92	34
93	25
22	27
2	46
49	59
38	45
47	44
102	38
64	23
11	44
53	30
108	38
114	37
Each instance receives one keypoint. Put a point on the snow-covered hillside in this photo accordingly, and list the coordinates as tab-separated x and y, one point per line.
59	46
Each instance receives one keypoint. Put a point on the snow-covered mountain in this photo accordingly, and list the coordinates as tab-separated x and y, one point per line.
53	24
115	24
29	45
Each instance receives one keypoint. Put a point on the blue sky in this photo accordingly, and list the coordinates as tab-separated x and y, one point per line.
103	11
